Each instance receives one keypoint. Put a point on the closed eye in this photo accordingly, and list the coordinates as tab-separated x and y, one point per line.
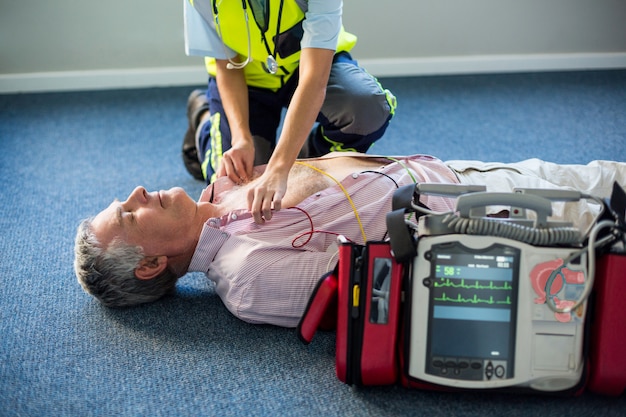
119	214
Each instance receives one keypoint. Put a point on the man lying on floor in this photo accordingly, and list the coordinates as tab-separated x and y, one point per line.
134	251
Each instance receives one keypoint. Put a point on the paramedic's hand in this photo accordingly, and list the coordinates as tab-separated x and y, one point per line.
237	163
267	195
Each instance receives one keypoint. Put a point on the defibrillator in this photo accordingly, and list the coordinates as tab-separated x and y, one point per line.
500	302
465	301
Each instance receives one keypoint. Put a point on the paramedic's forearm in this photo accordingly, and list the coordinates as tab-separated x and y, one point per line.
234	93
303	110
305	105
238	161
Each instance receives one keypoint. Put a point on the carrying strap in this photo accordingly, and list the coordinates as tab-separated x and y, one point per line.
321	310
614	211
618	204
403	197
403	244
401	236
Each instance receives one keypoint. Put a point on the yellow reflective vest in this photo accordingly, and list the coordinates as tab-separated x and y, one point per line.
232	24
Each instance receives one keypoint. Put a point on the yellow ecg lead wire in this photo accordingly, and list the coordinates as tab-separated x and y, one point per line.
345	192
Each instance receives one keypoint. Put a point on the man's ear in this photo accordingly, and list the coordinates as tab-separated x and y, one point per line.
151	267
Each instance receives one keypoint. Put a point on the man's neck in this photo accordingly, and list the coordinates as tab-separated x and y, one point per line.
208	210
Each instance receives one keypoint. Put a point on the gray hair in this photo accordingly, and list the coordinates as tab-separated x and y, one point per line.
109	273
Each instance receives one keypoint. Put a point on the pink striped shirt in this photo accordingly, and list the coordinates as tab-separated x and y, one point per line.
265	273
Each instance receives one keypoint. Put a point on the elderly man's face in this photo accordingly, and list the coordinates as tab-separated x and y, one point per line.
161	222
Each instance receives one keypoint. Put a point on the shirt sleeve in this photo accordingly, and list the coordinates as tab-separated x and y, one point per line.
270	285
281	299
201	38
322	24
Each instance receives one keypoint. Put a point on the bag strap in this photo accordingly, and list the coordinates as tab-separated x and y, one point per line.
321	310
401	236
403	244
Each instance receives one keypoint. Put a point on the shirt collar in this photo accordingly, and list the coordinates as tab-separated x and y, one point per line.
210	242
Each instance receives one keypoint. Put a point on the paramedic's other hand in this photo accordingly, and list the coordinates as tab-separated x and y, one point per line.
237	163
267	195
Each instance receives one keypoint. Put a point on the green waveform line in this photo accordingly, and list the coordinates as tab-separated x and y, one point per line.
473	300
476	286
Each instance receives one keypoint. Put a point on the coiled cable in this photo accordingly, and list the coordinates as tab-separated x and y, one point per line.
549	236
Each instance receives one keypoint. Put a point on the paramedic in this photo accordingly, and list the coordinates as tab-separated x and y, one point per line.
135	250
263	56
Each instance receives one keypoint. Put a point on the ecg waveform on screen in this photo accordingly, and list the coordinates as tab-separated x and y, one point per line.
475	299
475	286
470	291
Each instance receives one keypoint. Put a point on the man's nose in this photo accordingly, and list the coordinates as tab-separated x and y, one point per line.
138	195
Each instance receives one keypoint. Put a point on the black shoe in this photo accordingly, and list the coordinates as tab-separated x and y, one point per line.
197	104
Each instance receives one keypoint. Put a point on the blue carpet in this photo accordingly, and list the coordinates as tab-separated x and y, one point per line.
65	156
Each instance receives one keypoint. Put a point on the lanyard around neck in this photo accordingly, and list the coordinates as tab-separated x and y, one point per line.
261	14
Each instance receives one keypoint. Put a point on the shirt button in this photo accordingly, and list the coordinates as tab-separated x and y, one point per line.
233	216
355	175
212	222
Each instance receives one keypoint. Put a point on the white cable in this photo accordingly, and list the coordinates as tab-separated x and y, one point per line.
330	261
591	266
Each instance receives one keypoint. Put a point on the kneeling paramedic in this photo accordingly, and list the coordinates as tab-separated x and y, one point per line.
263	56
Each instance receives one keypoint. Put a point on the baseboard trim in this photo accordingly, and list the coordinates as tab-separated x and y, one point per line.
487	64
102	79
387	67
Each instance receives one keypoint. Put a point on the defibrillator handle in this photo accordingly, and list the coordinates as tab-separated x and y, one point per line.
474	204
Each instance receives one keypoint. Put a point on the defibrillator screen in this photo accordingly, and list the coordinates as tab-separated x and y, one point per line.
472	311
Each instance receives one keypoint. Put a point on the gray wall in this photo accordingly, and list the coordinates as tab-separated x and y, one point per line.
48	38
69	35
430	28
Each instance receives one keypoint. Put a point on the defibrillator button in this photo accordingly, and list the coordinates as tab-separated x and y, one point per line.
489	370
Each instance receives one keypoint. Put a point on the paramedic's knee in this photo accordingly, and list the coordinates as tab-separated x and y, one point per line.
371	112
355	102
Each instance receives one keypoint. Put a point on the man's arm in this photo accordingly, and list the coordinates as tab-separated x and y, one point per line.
315	65
277	292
